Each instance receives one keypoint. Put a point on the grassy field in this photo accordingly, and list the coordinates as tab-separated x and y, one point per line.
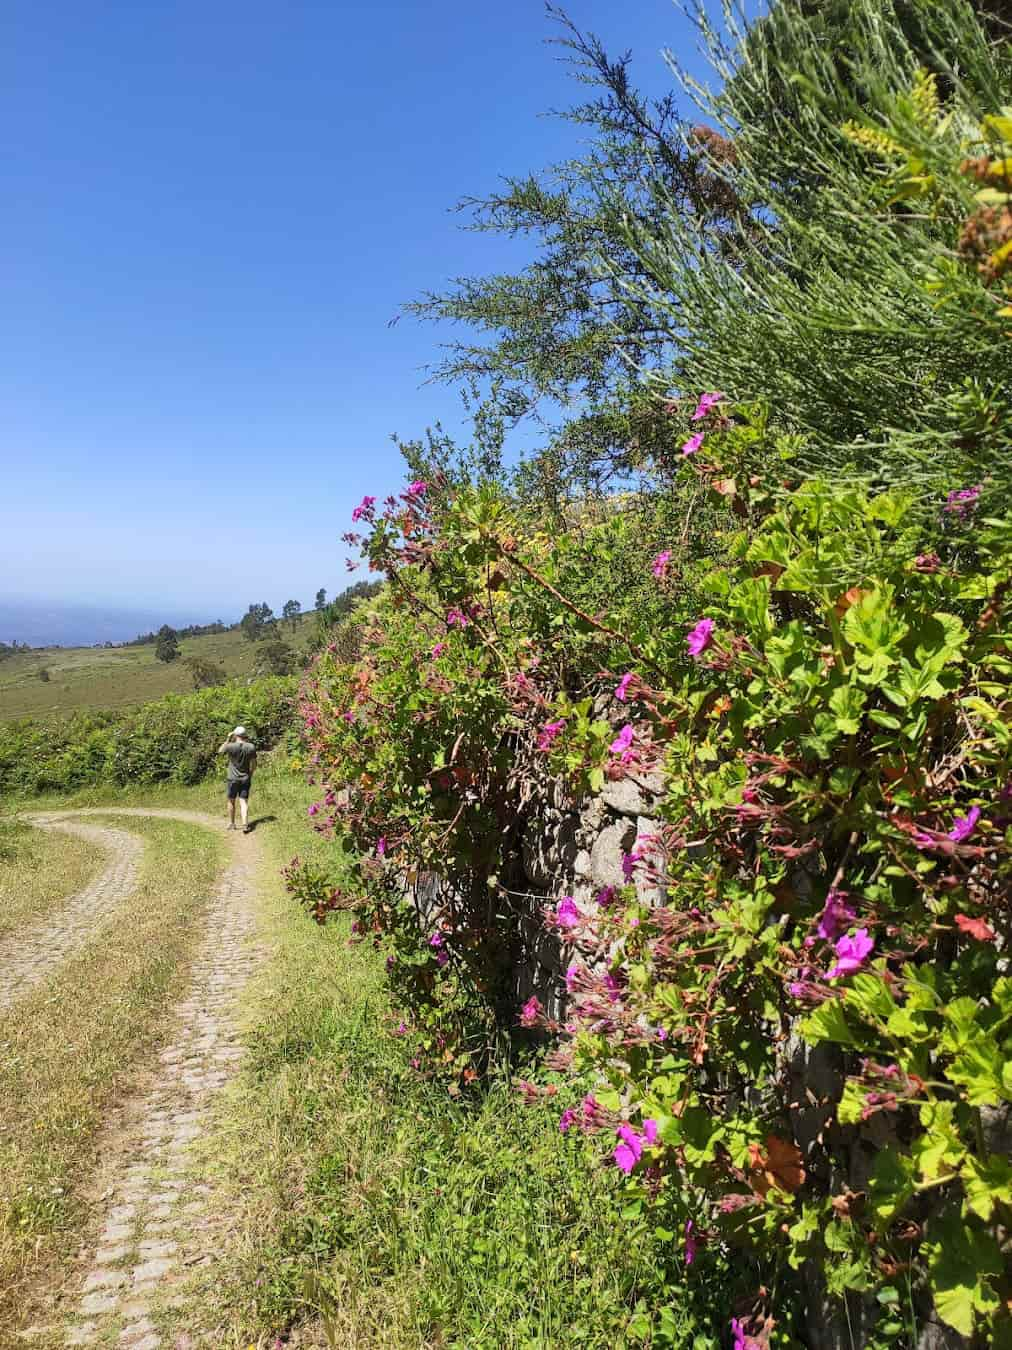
120	677
66	1049
39	870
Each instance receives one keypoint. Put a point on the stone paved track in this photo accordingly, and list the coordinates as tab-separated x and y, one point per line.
153	1221
32	952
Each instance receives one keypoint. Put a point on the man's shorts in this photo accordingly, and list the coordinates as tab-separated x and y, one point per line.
238	788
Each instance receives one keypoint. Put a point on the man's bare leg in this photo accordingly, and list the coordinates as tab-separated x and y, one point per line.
244	811
231	813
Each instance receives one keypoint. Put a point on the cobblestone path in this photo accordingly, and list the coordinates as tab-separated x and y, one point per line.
153	1220
30	953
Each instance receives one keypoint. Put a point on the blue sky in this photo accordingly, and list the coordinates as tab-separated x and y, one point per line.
212	213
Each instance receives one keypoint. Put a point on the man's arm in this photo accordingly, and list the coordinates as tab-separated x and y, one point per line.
252	764
222	748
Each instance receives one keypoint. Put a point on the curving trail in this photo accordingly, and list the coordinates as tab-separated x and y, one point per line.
153	1220
29	954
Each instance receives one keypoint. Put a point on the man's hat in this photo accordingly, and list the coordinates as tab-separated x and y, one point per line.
239	731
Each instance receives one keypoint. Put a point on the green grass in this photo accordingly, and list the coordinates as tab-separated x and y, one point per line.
121	677
66	1051
39	869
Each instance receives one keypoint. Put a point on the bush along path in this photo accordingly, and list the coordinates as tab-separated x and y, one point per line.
29	954
152	1226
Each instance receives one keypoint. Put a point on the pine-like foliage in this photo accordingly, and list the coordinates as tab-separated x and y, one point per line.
854	306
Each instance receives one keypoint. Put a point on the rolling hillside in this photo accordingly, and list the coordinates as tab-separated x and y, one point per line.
119	677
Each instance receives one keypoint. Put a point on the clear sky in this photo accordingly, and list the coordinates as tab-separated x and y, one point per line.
212	213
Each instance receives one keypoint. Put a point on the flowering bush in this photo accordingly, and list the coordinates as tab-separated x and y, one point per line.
834	736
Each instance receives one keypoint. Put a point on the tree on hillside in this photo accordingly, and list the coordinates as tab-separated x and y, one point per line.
205	674
291	610
167	644
257	621
321	598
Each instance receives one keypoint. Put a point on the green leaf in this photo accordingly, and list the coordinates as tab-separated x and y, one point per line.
871	624
987	1183
961	1261
847	702
827	1023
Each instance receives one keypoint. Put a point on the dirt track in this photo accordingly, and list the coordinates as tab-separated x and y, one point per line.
152	1221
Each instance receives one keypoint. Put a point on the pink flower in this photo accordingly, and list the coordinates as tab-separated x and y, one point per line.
605	896
961	503
690	1243
629	861
348	716
567	915
622	688
927	563
591	1112
740	1340
437	650
700	637
836	916
628	1152
457	618
314	809
402	1029
548	734
706	404
963	826
381	845
852	953
690	446
660	564
363	508
566	1120
417	489
530	1012
572	975
650	1131
622	741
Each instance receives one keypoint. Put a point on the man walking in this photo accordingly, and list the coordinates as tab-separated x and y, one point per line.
242	760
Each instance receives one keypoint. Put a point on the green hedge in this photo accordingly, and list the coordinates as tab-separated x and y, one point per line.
173	739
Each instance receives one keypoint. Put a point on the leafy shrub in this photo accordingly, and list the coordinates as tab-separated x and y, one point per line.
173	739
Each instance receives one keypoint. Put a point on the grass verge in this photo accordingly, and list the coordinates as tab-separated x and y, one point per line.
369	1209
65	1050
38	870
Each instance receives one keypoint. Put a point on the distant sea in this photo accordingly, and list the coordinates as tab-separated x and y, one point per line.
46	623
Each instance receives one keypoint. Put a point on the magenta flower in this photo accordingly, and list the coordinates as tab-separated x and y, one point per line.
739	1339
836	916
567	1120
349	716
628	1152
437	650
700	637
961	502
436	940
852	952
381	845
457	618
706	404
622	688
417	489
605	896
567	915
690	446
548	734
402	1029
690	1243
650	1131
629	861
530	1012
314	809
572	975
591	1112
660	564
363	508
963	826
622	741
